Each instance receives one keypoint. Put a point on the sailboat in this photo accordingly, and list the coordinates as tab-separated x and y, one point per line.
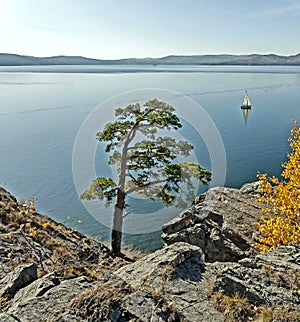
246	105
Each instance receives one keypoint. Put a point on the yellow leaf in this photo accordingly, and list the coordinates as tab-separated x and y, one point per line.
45	225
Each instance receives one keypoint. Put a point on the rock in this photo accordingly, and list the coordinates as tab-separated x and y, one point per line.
153	264
208	252
271	278
51	304
175	284
27	236
221	224
17	279
7	318
138	305
177	275
37	288
55	248
20	252
281	259
252	188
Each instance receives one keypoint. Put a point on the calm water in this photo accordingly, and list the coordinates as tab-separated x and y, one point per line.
42	109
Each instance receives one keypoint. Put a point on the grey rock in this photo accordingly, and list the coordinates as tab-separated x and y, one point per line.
251	188
37	288
152	264
17	279
21	252
53	305
67	317
282	259
181	277
221	224
7	318
142	306
178	274
272	278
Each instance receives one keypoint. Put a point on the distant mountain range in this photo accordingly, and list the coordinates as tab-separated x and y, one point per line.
253	59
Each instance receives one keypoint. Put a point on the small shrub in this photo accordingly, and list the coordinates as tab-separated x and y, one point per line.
281	225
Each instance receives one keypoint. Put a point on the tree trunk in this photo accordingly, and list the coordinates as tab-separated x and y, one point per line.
116	233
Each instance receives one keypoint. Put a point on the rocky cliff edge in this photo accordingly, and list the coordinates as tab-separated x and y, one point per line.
207	270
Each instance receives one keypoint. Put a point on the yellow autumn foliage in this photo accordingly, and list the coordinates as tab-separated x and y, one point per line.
281	224
46	224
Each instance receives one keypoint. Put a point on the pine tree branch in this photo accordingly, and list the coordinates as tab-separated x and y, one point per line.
141	187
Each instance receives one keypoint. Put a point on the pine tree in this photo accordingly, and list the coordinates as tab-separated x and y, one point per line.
147	166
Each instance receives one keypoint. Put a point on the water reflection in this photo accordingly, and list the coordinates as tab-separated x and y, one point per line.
246	112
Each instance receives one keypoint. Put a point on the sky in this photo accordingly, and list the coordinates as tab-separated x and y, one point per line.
112	29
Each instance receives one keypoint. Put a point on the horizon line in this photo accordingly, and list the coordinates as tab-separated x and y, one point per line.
151	57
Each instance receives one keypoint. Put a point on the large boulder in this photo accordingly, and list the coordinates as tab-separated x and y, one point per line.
29	298
176	274
36	289
220	223
168	285
48	300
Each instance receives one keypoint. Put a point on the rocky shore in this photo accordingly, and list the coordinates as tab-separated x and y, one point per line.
208	269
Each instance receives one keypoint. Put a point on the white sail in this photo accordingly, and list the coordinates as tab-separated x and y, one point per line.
246	100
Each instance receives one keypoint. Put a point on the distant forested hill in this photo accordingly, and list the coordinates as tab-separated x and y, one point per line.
253	59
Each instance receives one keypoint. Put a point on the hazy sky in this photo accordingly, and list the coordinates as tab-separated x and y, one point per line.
148	28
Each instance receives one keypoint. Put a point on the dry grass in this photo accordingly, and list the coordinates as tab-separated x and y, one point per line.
266	269
63	250
284	313
189	223
98	302
133	253
3	300
211	285
163	302
167	272
235	308
155	293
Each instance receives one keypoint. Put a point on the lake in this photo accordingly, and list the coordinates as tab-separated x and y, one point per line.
43	109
